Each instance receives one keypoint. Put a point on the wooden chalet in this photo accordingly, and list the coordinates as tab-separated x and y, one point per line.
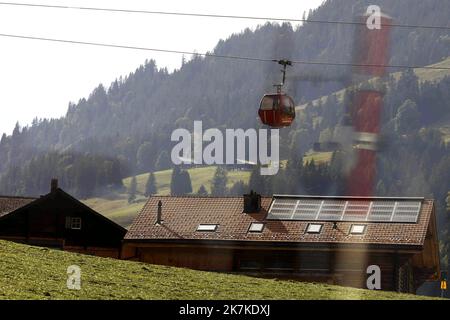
59	221
323	239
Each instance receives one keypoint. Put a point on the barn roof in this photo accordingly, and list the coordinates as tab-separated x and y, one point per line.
27	203
182	216
9	204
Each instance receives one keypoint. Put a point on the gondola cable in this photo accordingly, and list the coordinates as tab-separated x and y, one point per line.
214	55
203	15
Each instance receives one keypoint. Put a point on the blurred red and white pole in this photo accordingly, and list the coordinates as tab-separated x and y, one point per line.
370	58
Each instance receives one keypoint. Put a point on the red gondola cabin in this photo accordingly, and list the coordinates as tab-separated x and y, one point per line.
277	110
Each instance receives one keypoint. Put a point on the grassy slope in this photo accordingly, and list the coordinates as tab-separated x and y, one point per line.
318	157
199	176
423	75
119	210
435	76
431	75
40	273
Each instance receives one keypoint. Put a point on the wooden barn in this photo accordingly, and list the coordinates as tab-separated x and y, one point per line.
323	239
57	220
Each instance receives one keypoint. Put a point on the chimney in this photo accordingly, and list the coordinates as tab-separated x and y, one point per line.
252	202
54	185
159	214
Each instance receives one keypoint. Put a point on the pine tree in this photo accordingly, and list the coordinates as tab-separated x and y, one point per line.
144	157
292	175
150	186
175	181
163	161
133	189
256	182
238	189
186	184
219	183
202	191
408	117
180	183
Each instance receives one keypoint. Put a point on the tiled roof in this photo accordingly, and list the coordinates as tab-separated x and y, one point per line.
9	204
182	215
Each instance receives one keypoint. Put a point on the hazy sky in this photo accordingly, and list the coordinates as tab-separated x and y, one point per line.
38	79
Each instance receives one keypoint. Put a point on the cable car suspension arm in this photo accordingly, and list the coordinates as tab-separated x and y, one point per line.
284	63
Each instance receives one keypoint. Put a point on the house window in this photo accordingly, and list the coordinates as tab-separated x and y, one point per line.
256	227
76	223
73	223
358	229
314	228
207	227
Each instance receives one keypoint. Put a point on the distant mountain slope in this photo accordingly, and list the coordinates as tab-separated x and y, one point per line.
433	75
423	75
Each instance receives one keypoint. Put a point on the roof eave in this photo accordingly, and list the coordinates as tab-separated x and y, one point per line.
279	244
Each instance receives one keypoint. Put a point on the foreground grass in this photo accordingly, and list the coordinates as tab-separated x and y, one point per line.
40	273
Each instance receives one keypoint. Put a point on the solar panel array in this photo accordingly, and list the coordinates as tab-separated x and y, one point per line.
307	209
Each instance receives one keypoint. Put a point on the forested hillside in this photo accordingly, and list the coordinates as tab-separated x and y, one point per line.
123	129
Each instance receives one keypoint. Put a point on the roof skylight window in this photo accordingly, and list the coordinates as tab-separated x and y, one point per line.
207	227
314	228
256	227
357	229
